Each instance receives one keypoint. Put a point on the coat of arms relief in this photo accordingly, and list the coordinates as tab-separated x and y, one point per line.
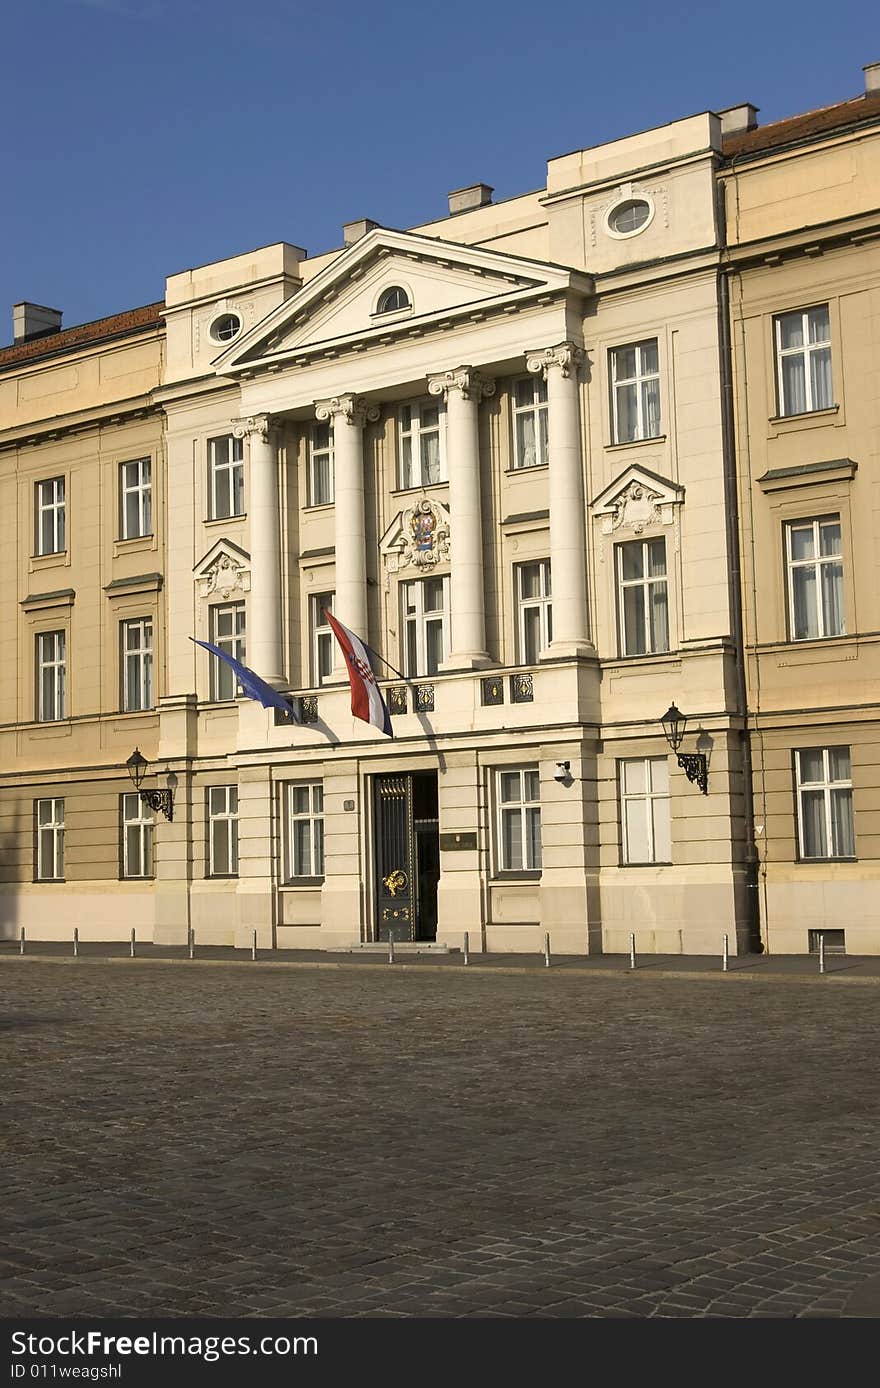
418	537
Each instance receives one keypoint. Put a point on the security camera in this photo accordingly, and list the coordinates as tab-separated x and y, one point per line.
563	771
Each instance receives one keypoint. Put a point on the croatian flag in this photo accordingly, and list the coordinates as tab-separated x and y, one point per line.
253	686
366	699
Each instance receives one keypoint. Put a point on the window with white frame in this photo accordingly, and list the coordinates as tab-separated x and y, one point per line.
643	599
305	830
137	664
535	610
226	477
814	557
635	391
51	676
425	604
320	470
422	455
136	498
803	360
223	831
50	521
50	840
825	808
519	820
644	810
530	427
323	640
227	632
137	837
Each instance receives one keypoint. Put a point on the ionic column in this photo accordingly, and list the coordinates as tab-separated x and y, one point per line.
568	540
348	414
263	644
463	389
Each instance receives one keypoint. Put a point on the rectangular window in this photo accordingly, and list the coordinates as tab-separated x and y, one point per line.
422	456
519	820
535	609
644	810
51	676
223	831
137	837
226	477
814	557
643	600
635	392
50	522
50	840
425	625
320	472
803	360
323	640
136	498
227	632
824	795
530	437
305	830
137	664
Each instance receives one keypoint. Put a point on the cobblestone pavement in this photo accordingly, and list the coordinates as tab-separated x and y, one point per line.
192	1141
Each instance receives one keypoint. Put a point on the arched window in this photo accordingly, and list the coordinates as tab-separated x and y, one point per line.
390	300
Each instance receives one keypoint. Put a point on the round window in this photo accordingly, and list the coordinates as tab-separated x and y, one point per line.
225	328
629	217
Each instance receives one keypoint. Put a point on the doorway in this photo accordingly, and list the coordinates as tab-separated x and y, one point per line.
407	855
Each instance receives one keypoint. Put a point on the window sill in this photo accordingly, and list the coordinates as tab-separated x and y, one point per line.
221	876
124	543
151	878
419	487
809	862
514	471
809	419
49	881
504	878
614	447
660	862
319	505
295	883
224	520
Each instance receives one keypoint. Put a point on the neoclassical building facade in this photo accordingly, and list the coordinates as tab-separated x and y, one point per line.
502	448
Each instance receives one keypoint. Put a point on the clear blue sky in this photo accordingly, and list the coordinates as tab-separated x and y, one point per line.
140	137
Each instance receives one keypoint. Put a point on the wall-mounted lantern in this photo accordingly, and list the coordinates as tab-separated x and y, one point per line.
693	764
162	800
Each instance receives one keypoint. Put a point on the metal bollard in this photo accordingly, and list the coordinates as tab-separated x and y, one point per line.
546	951
132	942
821	954
724	957
254	947
192	942
390	949
75	942
21	942
465	952
632	951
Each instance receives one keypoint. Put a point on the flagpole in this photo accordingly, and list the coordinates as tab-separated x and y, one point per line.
387	663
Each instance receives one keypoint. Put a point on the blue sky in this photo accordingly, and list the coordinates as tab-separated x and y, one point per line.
140	137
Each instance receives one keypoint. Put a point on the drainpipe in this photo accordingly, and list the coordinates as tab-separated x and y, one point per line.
731	497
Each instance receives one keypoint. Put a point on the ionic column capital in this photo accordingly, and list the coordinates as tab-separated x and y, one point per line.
464	381
352	409
255	425
566	357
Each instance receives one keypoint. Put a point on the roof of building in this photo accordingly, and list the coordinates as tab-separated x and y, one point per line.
810	125
117	325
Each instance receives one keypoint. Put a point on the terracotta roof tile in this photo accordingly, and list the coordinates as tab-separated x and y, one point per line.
115	326
810	124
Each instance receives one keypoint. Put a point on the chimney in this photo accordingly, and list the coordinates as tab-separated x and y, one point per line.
466	199
872	78
34	320
353	231
736	120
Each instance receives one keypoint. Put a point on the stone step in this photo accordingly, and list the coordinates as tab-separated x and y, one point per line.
400	947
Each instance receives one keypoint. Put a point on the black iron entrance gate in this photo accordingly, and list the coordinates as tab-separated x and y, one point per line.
407	856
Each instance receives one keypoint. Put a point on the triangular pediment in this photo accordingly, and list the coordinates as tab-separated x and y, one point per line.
224	570
637	499
442	281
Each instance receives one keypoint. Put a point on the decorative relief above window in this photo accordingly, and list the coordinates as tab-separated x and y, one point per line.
636	500
418	537
224	571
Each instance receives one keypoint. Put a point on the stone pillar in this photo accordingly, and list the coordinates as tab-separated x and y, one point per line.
348	414
568	539
263	644
463	389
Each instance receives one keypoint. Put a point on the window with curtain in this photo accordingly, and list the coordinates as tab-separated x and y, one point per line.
323	640
519	820
50	840
635	391
824	803
223	831
530	422
225	477
422	460
535	608
320	471
137	837
228	632
644	810
803	360
425	603
814	557
305	830
643	598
